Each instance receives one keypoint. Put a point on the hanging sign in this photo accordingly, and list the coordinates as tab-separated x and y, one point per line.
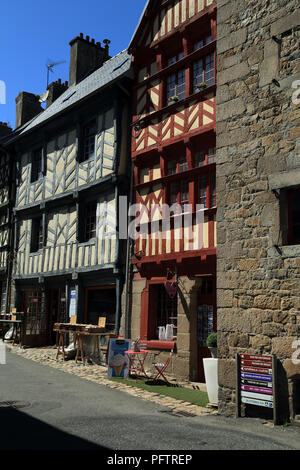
256	381
171	288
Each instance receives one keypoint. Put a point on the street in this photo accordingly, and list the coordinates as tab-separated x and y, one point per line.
59	411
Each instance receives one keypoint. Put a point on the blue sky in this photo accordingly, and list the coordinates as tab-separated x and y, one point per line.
32	32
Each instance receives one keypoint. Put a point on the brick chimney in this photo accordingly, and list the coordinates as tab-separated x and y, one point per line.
86	57
55	90
4	129
27	107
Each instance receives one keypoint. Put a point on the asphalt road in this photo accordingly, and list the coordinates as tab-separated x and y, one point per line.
66	412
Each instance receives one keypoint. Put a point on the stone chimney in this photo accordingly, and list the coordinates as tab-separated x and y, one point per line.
27	107
55	90
4	129
86	57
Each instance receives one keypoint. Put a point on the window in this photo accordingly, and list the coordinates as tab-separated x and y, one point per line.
204	71
293	201
176	87
179	193
203	42
91	221
89	135
36	164
37	234
163	310
175	58
207	190
205	157
175	166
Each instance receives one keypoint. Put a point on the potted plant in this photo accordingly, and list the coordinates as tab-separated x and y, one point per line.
200	86
173	98
211	370
211	342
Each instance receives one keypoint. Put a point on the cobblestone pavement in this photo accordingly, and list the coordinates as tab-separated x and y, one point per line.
97	373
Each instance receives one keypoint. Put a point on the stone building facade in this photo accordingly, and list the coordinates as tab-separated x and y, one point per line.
258	181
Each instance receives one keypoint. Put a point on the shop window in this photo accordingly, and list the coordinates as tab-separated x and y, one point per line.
176	87
204	71
101	303
162	311
89	136
293	202
37	234
35	321
37	165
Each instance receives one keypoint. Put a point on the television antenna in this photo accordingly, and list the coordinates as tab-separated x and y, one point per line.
50	64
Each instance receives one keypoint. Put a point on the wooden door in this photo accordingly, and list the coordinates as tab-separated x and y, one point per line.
35	330
206	321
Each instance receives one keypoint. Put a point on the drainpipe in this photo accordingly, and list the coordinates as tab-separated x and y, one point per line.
128	249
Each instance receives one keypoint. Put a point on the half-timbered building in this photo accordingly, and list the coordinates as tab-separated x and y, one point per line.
173	152
71	169
7	195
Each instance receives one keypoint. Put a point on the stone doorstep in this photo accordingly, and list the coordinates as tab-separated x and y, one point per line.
38	355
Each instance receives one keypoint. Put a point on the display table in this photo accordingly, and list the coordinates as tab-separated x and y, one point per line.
79	331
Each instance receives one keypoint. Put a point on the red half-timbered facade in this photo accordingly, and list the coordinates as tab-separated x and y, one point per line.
173	152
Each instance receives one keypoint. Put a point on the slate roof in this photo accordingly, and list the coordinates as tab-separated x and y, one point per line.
112	70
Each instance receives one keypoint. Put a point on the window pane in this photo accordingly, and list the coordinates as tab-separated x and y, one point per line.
212	155
183	166
174	193
199	45
91	221
181	84
36	166
89	140
212	190
199	159
172	167
209	70
198	72
184	193
203	190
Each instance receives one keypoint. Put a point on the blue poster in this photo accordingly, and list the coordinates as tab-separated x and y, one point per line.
118	361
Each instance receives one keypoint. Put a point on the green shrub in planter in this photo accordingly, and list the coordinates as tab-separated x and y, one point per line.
212	340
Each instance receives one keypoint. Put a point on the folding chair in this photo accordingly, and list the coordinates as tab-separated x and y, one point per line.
161	367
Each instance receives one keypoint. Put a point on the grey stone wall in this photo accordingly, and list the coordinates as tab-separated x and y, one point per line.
258	130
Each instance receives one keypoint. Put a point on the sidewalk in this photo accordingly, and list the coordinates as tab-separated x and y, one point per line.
98	374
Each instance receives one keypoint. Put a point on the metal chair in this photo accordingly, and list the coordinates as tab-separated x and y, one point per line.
161	368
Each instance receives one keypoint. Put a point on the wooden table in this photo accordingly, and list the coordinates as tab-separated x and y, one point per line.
79	332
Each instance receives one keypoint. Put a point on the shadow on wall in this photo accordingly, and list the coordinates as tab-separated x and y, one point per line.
22	432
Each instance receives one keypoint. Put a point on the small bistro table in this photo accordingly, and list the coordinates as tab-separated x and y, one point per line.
137	361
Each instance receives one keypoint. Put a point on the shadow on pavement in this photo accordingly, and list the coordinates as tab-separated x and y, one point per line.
19	431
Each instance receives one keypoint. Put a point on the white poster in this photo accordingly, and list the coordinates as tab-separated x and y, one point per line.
72	310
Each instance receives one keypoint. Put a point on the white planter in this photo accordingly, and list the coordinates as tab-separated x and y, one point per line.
211	379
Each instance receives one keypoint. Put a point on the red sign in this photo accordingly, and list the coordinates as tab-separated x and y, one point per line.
253	357
256	364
